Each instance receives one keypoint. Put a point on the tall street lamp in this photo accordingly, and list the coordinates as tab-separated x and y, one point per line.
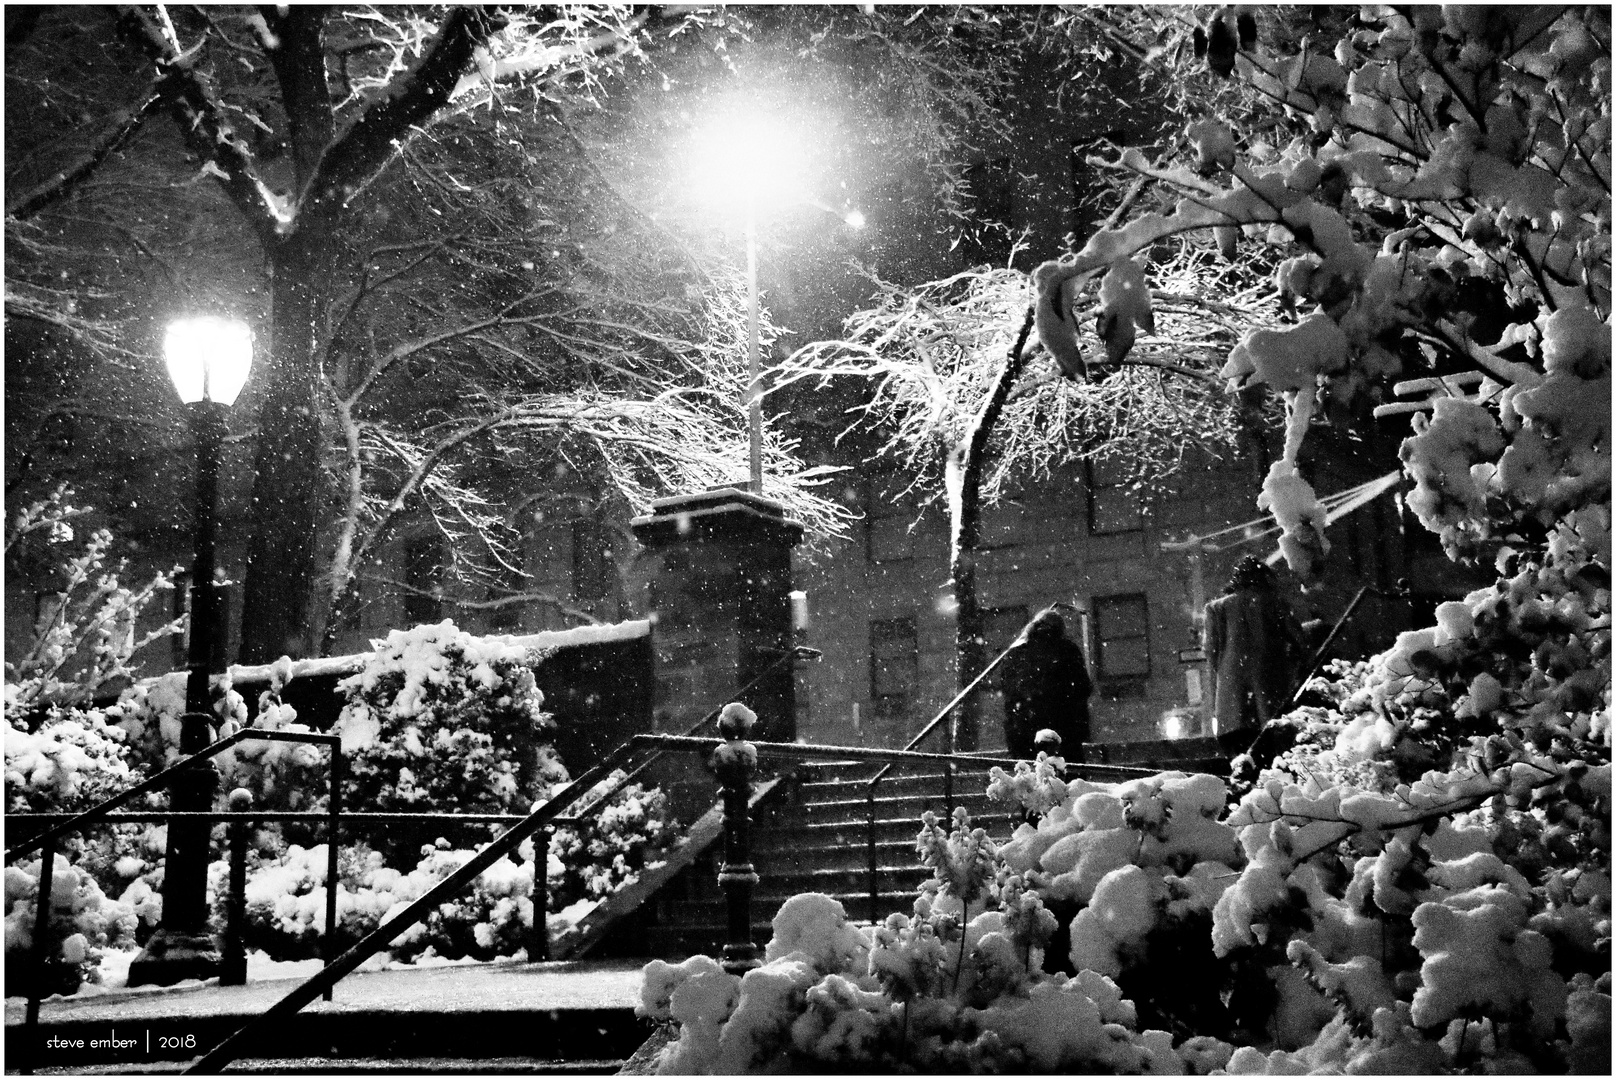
208	360
755	160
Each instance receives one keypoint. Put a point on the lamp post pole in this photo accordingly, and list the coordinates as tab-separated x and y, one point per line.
181	947
754	363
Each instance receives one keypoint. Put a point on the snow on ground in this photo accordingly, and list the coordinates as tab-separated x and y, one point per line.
114	965
260	968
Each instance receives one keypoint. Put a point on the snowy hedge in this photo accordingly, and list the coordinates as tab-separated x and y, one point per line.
436	721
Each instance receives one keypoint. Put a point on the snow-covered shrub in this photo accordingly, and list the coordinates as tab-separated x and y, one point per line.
81	922
831	996
594	859
441	719
285	910
286	902
70	761
490	919
63	755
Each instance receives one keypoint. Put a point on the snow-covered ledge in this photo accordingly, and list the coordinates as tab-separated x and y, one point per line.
352	663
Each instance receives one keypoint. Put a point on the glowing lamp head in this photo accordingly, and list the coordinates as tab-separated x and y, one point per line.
749	157
854	219
208	358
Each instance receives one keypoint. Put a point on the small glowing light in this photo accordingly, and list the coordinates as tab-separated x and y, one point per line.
1173	728
854	219
208	358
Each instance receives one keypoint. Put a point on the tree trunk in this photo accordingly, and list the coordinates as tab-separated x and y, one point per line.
970	647
963	480
280	614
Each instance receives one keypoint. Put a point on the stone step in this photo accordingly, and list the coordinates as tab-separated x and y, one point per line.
775	858
706	932
967	783
887	829
705	904
887	806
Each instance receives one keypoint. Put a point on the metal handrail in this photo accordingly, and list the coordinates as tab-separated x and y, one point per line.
948	773
322	982
794	653
546	814
1318	653
1329	639
351	817
45	843
161	779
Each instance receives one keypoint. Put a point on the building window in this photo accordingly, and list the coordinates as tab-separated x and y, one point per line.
1122	639
1006	525
1114	505
894	667
423	580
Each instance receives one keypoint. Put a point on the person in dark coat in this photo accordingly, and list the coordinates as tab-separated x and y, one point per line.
1045	680
1252	643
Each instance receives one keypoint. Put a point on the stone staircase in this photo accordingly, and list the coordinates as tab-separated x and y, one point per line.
813	835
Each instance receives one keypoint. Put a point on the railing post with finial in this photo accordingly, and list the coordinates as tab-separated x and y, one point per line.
233	964
735	763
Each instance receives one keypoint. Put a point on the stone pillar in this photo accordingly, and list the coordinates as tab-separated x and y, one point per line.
720	577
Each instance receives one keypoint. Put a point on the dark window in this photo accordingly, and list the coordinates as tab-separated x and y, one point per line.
1122	636
423	580
1113	498
894	667
593	575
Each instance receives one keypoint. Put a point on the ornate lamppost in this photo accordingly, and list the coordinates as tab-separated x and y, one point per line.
208	360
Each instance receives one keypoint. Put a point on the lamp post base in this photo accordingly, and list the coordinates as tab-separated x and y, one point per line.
171	956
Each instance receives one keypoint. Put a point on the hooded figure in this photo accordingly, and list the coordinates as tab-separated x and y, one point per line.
1251	642
1046	685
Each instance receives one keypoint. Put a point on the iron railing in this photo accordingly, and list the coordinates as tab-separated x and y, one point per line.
931	726
45	840
735	875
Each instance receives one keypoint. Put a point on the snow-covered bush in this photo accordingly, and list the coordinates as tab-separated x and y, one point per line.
63	755
286	902
81	922
831	996
439	719
70	761
592	860
439	716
